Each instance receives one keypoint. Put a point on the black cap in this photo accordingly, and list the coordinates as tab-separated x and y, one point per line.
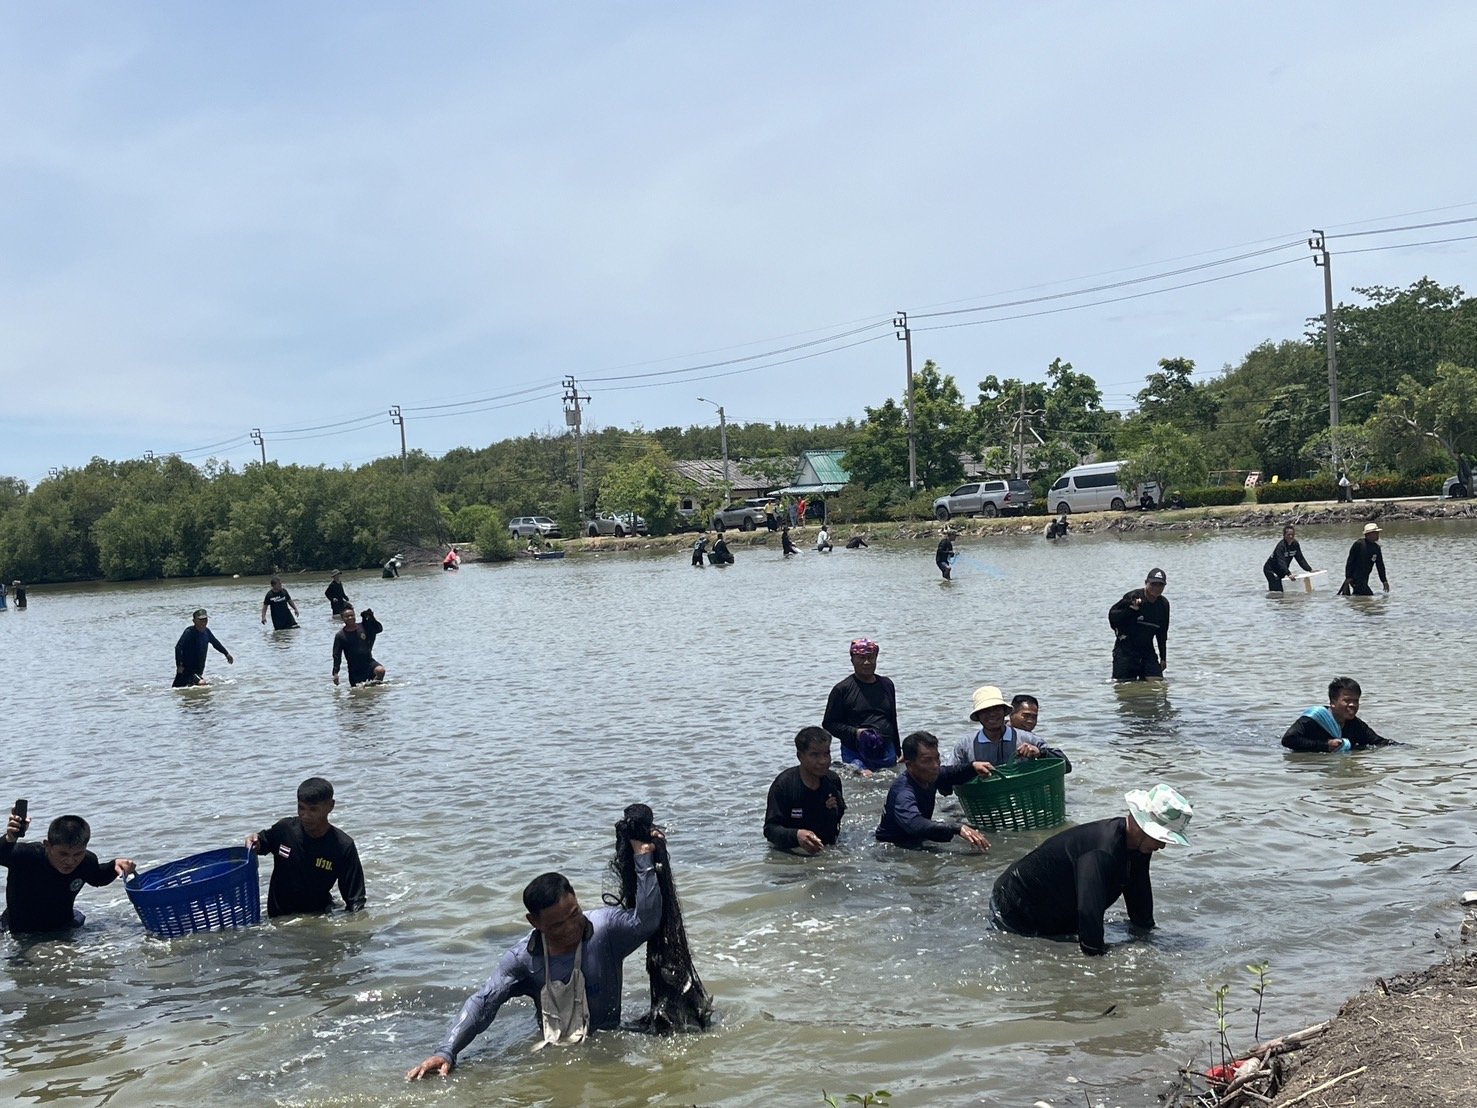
1156	576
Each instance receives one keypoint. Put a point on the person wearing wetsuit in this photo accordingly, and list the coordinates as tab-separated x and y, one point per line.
1140	620
338	600
1061	889
567	947
310	855
803	811
787	545
699	548
191	650
45	878
279	603
907	815
943	557
1364	556
862	712
1336	728
1283	555
18	596
355	643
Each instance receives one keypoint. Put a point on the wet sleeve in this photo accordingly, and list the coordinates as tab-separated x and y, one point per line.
1360	733
99	873
786	838
1162	635
1054	752
338	653
952	776
1120	615
481	1007
1092	874
215	642
1379	565
629	928
963	753
1306	735
832	721
897	735
180	648
1351	563
914	824
351	881
1138	894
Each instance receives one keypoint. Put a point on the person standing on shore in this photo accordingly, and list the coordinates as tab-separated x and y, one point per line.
1279	565
192	649
1346	488
338	600
1364	556
1062	888
1140	620
862	713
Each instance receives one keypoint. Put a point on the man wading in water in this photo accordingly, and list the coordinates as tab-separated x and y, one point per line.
1141	622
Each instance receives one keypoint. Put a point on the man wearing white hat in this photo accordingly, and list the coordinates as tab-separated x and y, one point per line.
1364	556
997	743
1062	888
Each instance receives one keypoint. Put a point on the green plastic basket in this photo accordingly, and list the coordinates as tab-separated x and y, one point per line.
1023	795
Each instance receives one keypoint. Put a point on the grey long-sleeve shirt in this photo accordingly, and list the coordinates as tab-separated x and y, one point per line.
613	935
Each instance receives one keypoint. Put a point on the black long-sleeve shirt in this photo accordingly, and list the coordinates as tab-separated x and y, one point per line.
1283	555
38	896
357	646
792	807
1364	556
1064	886
192	647
907	817
1307	734
1140	629
855	705
304	869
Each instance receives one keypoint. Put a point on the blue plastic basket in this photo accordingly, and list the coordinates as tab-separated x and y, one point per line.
204	892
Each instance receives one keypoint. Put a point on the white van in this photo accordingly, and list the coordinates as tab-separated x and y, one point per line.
1095	488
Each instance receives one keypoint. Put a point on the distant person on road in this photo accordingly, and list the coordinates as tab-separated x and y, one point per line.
700	548
355	643
1062	889
310	855
337	599
1364	556
907	815
857	542
18	596
191	649
805	805
1279	564
1140	622
944	556
1336	728
771	522
862	713
998	743
1057	528
823	540
44	878
787	544
280	604
569	966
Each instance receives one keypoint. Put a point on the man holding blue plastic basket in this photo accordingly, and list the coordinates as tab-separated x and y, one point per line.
1062	889
309	855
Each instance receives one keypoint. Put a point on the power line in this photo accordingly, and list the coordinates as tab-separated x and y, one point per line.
749	369
482	400
1403	245
1407	227
747	357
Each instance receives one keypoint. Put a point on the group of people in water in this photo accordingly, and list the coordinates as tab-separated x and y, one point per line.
14	594
353	644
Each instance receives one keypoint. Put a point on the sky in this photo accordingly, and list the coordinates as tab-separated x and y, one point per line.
289	217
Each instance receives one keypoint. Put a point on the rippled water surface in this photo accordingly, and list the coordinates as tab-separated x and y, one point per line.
528	703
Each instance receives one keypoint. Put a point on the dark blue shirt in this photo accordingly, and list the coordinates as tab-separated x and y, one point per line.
907	817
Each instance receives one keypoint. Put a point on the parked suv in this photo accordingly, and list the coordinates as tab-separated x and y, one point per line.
634	524
746	517
985	498
526	527
605	524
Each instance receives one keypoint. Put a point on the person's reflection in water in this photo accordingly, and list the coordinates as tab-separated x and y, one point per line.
1145	708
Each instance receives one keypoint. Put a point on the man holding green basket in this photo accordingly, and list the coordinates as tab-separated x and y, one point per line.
1062	888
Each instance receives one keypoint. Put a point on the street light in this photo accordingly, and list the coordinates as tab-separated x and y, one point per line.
723	438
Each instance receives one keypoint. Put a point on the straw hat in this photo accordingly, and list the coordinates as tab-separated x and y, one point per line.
987	696
1371	528
1161	812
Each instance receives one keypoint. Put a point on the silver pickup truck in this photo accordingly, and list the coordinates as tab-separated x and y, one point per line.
984	498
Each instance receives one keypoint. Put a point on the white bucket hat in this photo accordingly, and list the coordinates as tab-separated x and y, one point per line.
1161	812
987	696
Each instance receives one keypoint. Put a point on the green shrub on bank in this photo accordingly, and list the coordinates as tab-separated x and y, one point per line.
1286	492
1213	495
1383	488
493	544
1365	488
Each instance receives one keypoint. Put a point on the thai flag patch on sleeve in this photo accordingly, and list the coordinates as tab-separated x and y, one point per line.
284	851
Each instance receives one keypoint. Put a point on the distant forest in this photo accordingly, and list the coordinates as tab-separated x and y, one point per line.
1408	414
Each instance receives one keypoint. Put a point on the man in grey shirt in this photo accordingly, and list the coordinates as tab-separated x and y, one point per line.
566	945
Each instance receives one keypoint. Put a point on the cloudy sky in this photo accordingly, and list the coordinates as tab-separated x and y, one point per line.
216	217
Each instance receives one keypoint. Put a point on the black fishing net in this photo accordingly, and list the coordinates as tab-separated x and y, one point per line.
678	1000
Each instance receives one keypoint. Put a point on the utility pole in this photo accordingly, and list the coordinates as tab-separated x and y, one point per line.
723	441
148	456
905	336
399	421
573	417
1022	422
1319	246
256	437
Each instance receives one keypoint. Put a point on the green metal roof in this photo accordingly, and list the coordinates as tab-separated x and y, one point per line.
826	465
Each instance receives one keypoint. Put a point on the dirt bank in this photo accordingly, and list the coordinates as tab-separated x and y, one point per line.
1407	1042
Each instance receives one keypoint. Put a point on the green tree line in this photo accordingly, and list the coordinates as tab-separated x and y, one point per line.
1406	359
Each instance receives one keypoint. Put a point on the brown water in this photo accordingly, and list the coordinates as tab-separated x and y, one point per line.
529	703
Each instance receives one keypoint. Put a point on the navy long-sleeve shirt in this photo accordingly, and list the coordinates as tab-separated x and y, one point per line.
193	646
612	935
907	817
1064	886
